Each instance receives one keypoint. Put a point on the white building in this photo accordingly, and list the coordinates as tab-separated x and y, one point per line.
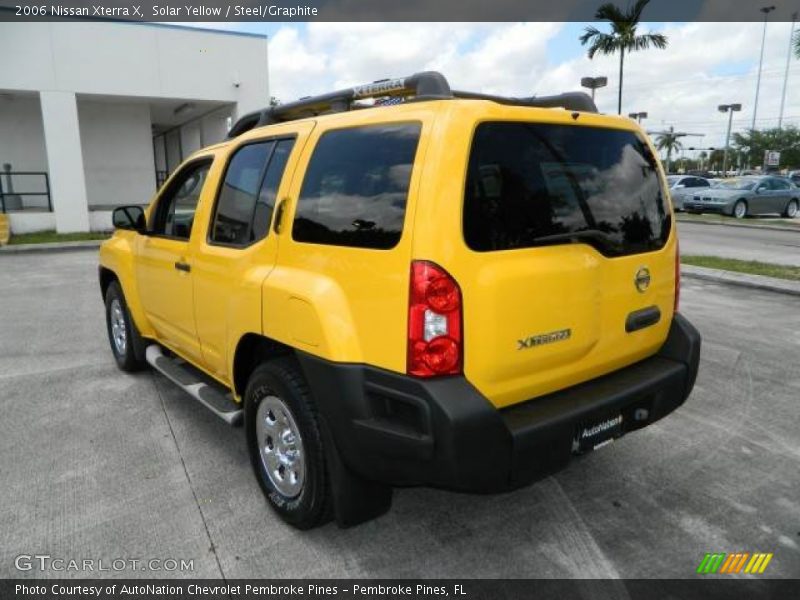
100	112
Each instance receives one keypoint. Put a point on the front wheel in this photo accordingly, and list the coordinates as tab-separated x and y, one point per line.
740	209
285	444
122	333
791	210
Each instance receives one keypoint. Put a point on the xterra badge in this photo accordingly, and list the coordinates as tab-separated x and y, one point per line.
545	338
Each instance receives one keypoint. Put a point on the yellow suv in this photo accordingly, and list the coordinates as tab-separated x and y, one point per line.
401	284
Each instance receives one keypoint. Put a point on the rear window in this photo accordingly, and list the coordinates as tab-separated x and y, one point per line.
356	186
539	184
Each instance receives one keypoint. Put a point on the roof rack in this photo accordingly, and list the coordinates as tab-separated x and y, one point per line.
570	101
427	85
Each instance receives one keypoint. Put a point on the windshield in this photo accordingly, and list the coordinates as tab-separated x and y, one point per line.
531	184
736	184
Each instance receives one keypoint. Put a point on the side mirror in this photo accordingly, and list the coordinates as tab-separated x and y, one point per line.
129	218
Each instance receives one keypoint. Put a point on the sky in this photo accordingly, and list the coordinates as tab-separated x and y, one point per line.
704	65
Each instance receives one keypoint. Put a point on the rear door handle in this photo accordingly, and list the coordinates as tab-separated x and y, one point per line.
639	319
279	216
182	266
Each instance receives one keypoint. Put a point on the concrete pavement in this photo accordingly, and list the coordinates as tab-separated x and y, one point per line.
100	464
743	243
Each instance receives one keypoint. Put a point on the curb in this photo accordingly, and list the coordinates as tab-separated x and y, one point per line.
52	247
758	282
742	225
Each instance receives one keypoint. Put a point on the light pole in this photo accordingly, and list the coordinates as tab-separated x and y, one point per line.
786	72
638	116
766	10
594	83
730	109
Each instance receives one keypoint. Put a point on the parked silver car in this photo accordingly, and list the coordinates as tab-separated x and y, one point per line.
743	196
683	186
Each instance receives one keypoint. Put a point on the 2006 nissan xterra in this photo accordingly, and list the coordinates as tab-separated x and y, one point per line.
402	284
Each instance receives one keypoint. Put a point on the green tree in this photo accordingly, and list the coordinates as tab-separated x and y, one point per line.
668	142
785	140
715	159
622	38
702	156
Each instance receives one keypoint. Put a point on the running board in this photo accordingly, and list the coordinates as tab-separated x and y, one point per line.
197	385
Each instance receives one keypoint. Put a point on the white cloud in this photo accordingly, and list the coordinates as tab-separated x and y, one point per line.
679	86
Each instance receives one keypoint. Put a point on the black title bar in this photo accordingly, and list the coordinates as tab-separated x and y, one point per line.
384	10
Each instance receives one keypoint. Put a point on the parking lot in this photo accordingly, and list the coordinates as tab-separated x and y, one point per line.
100	464
774	246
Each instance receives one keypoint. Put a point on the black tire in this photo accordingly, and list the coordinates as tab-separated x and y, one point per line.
790	211
739	214
281	378
130	355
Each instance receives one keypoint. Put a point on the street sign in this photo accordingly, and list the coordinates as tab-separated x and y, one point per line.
772	158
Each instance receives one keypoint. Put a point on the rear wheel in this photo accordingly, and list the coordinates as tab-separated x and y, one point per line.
791	210
740	209
122	333
285	444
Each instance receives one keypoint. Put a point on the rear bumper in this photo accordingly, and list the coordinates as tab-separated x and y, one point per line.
401	430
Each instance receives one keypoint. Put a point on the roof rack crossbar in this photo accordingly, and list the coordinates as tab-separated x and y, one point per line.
427	85
570	101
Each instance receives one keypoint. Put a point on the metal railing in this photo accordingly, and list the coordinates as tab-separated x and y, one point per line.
14	201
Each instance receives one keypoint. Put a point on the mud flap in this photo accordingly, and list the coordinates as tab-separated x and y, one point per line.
355	499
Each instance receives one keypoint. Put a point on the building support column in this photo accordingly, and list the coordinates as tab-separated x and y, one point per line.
65	161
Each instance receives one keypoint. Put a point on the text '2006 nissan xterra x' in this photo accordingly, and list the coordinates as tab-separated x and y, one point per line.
455	290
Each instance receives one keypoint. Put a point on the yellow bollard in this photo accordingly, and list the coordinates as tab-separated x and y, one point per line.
5	229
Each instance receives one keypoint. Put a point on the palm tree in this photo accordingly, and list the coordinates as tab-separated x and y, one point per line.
702	156
668	142
623	35
797	44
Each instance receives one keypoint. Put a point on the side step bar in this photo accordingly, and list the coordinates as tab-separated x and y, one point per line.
196	384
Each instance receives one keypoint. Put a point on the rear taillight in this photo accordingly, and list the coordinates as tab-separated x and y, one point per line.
677	275
435	345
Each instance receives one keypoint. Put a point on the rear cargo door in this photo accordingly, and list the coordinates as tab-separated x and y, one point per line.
571	266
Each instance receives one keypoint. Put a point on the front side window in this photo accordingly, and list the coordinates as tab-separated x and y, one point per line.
174	215
356	187
533	184
247	196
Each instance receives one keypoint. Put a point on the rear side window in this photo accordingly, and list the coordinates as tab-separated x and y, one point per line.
247	197
356	186
779	184
539	184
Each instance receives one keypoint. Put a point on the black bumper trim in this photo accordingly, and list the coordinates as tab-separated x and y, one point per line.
399	430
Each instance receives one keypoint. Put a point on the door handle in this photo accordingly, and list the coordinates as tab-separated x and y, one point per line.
182	266
279	215
639	319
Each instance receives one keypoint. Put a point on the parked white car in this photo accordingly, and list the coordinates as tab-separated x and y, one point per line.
683	186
